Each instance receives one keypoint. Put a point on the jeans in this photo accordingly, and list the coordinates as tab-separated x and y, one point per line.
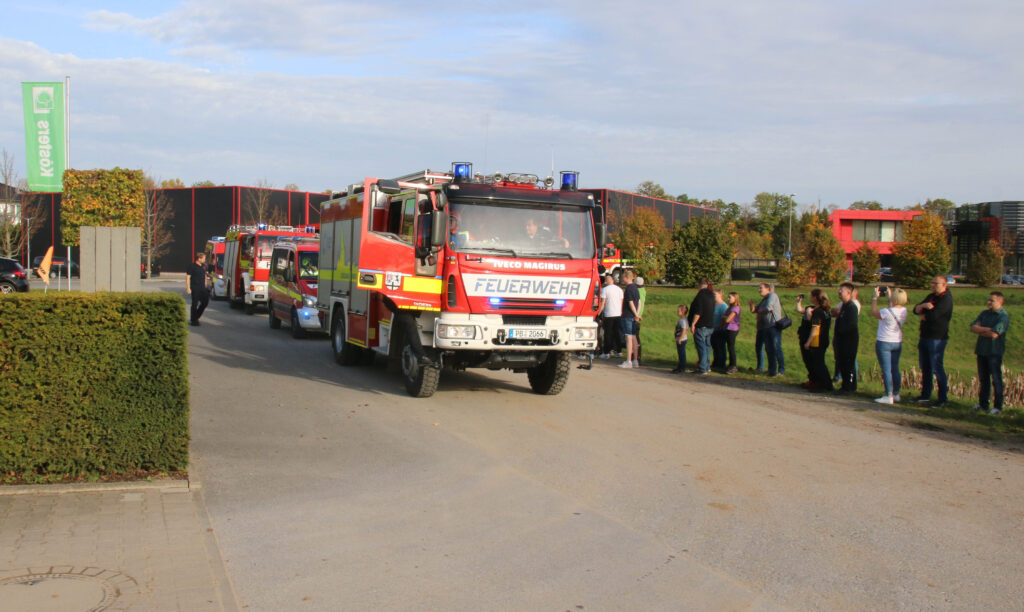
888	354
681	353
990	367
759	342
930	353
771	338
702	338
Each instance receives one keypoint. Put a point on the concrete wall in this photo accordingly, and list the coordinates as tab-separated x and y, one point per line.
110	259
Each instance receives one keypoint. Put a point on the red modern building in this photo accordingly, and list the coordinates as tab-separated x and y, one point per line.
879	228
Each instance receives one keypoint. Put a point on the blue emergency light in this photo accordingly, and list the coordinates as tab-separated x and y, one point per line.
462	171
494	301
559	302
261	226
570	180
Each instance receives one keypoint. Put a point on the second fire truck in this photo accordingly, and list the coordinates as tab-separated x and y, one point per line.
455	270
247	254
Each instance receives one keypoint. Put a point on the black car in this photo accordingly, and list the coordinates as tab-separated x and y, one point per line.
58	265
12	276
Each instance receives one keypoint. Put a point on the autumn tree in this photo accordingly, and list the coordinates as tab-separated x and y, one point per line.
258	208
104	198
703	248
19	216
174	183
986	267
644	240
865	264
158	214
938	206
653	190
924	252
821	254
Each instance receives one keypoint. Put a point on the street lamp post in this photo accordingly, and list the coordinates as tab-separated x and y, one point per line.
789	240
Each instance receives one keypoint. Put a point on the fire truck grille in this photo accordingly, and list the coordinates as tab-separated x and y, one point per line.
530	304
524	320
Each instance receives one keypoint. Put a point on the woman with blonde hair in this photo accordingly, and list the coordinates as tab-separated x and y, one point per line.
889	341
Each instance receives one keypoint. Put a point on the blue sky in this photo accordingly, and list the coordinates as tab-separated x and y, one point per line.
835	101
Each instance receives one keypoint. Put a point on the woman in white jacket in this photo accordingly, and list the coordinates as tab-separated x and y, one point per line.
889	341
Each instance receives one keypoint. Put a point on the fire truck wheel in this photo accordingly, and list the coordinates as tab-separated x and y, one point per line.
344	353
250	308
549	377
297	332
420	380
274	322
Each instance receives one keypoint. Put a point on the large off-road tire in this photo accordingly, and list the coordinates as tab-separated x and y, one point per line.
420	381
549	378
272	319
345	353
297	332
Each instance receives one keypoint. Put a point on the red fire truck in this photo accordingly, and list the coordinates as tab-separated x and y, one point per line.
247	251
215	264
294	273
455	270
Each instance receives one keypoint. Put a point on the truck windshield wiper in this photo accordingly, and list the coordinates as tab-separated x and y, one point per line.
551	255
497	251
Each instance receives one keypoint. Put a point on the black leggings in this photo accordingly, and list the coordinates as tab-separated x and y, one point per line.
730	344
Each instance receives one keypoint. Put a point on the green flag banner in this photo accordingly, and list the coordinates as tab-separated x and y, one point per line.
44	135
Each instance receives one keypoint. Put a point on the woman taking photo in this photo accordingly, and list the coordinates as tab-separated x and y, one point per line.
889	341
804	331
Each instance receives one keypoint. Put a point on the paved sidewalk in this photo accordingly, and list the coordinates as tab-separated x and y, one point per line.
116	546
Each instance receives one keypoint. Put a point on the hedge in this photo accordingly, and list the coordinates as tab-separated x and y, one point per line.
92	386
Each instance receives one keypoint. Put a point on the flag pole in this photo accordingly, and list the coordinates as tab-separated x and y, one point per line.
67	151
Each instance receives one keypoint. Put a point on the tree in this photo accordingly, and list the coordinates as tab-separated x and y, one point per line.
653	190
795	273
291	187
865	264
20	217
703	248
868	205
206	183
821	254
644	239
771	210
258	208
105	198
938	206
986	268
156	222
172	184
730	213
923	254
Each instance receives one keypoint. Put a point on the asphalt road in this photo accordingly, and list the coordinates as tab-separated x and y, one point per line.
330	489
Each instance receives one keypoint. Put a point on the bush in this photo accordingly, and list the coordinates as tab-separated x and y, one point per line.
92	385
742	274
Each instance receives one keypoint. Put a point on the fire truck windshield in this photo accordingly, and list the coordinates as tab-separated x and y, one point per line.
549	232
308	270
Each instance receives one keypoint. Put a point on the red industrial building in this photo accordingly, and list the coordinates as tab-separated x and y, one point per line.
879	228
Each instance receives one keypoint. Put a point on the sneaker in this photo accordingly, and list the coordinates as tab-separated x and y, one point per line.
603	356
938	403
896	398
995	411
626	364
636	364
704	373
732	370
977	407
675	370
885	399
923	400
615	354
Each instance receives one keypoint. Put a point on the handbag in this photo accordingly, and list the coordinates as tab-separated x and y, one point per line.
815	340
783	323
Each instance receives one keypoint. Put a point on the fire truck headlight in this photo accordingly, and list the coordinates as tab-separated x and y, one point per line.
585	333
456	332
309	301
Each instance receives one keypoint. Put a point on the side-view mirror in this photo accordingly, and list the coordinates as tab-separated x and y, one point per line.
389	186
437	219
602	233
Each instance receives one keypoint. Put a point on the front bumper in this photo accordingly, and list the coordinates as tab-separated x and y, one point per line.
256	293
310	318
477	332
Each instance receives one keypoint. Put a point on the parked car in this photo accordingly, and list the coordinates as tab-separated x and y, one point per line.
13	277
950	280
1009	279
58	265
885	275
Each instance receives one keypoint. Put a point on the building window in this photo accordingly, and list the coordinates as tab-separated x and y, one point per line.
888	231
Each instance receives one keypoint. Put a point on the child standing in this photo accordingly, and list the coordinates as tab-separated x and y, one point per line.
682	333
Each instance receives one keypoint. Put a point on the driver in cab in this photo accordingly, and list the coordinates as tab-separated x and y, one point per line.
538	235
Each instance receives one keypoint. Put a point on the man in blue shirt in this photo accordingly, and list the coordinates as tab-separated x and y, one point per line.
991	326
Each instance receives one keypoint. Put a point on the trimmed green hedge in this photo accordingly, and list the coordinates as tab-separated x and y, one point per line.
742	274
92	385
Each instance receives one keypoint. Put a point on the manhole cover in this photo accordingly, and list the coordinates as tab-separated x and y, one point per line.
67	589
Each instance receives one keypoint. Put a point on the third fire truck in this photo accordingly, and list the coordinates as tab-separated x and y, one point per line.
247	254
455	270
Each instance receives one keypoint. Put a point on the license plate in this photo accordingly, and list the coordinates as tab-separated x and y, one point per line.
528	334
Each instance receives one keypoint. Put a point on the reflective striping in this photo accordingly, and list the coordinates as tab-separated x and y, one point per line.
415	284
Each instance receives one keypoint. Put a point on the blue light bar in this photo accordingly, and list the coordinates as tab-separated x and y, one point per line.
462	170
570	180
262	226
559	302
494	301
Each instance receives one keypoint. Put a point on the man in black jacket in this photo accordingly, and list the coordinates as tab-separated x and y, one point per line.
935	311
847	339
702	318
